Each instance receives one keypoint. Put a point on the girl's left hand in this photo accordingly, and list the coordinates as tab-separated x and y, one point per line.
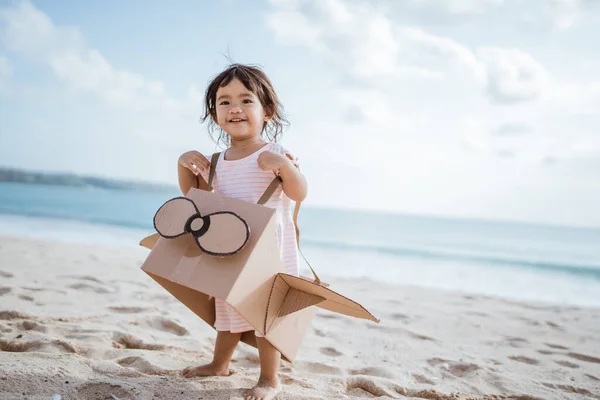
268	161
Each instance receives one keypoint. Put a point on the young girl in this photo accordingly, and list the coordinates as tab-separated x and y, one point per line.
242	105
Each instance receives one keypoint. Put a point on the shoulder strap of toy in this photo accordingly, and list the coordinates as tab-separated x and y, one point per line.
213	167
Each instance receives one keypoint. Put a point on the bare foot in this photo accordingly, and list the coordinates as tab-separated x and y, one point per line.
264	390
205	370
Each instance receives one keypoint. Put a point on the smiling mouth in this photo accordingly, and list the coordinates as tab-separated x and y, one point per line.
237	120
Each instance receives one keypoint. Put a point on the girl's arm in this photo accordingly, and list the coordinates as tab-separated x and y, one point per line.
185	168
293	181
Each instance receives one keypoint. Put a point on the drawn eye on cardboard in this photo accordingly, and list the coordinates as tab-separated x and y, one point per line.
220	234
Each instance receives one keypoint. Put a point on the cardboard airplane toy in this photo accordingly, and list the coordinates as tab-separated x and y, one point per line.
211	246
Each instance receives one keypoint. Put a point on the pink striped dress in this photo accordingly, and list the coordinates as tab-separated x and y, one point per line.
243	179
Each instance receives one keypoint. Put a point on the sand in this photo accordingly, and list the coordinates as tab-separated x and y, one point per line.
83	322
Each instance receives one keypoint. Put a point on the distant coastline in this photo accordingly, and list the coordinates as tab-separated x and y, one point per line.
15	175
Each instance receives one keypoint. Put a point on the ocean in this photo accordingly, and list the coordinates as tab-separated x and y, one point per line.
516	261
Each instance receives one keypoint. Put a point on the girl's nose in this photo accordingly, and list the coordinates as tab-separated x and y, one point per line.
235	109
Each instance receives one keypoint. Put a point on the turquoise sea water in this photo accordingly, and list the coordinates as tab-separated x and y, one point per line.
511	260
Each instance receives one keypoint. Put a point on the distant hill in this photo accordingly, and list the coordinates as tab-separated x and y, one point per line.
40	178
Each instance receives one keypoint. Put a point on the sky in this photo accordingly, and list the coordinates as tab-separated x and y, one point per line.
465	108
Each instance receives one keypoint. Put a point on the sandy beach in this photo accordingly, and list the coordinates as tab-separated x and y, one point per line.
84	322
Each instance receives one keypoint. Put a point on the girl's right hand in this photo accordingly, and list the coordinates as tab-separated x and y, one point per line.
194	161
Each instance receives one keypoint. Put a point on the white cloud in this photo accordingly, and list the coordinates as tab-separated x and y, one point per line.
452	7
356	38
513	75
577	98
366	44
372	106
560	15
445	51
26	30
512	129
473	101
563	14
557	15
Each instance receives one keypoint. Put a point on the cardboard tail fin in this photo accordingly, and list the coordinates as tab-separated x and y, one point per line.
297	300
150	241
290	293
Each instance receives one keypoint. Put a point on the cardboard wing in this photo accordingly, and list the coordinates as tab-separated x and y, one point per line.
211	246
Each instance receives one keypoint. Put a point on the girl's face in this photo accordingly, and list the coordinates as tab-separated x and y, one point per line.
239	112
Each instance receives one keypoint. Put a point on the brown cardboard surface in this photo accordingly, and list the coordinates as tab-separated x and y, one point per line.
252	280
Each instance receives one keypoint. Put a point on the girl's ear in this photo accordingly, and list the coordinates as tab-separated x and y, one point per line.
269	113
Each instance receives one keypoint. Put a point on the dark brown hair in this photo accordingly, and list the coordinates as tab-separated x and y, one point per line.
255	80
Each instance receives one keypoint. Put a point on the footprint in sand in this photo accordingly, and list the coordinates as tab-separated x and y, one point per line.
32	326
252	357
556	346
462	369
127	310
361	387
164	325
422	379
26	297
436	361
399	316
547	352
98	390
373	371
68	347
173	327
33	289
88	288
318	368
141	365
10	315
122	340
514	341
569	389
320	333
288	380
5	290
459	369
84	278
327	316
382	328
528	321
19	346
477	313
555	325
583	357
566	364
6	274
134	283
5	328
525	360
419	336
331	352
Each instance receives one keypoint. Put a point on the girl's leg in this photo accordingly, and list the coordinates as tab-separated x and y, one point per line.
268	385
224	347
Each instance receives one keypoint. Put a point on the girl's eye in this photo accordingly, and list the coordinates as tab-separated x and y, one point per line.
247	101
224	103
